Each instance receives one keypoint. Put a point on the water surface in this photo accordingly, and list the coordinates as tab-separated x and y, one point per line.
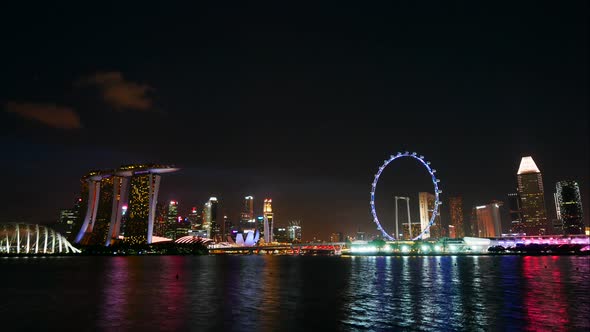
285	293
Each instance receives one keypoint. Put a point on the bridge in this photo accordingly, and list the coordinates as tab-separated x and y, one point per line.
331	248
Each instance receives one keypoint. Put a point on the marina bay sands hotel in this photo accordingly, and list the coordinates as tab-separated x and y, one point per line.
105	194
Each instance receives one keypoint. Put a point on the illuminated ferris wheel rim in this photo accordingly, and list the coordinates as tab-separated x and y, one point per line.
435	182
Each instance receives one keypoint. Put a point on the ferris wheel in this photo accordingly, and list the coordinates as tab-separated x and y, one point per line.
435	183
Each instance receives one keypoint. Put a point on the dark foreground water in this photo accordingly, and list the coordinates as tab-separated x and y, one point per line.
282	293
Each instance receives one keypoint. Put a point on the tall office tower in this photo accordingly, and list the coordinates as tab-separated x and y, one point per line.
182	227
123	219
532	197
210	223
569	204
207	218
489	222
161	221
227	228
456	211
66	221
268	216
216	220
426	203
171	216
194	218
172	212
515	213
452	232
247	221
281	234
294	231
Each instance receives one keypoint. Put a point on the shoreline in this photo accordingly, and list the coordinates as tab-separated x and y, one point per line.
343	255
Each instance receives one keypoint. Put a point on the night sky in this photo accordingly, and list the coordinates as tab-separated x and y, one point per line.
294	102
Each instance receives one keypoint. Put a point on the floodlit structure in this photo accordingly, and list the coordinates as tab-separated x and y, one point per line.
268	220
107	194
532	197
437	192
477	244
251	239
189	239
294	231
29	239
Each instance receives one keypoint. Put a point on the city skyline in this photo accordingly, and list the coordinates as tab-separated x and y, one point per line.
246	218
277	166
301	106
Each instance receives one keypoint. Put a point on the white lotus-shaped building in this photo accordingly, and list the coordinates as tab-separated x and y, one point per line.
251	239
17	238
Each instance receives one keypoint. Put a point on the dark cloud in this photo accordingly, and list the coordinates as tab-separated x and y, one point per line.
50	114
119	93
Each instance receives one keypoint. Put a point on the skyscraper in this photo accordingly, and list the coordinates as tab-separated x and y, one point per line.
281	234
207	218
532	197
66	221
268	220
456	212
294	231
172	213
194	218
171	217
227	228
569	204
161	221
216	219
515	213
247	220
489	222
426	203
210	222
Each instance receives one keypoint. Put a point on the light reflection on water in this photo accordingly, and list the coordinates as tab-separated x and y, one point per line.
238	293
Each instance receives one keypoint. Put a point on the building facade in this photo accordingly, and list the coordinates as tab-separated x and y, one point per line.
426	204
247	220
456	214
515	214
268	216
113	197
489	222
532	198
294	231
569	207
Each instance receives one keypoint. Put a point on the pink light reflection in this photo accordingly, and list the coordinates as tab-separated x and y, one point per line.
544	297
